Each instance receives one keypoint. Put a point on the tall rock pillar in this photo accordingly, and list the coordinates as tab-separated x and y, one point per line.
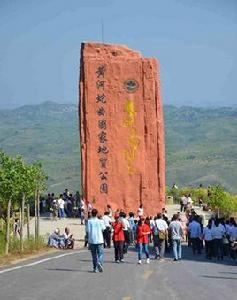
121	129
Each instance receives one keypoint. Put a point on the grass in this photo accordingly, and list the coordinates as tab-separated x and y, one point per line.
30	248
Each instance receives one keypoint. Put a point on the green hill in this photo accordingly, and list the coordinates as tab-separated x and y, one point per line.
201	143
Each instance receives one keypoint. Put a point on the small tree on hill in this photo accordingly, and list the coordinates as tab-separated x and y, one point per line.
221	200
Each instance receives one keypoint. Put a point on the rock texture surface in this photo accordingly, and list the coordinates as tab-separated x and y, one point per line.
121	129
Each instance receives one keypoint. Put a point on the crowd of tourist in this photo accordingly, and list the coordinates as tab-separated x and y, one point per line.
155	236
66	205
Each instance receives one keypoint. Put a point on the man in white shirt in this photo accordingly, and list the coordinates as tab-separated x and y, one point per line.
182	203
61	204
162	228
190	202
126	229
107	232
140	211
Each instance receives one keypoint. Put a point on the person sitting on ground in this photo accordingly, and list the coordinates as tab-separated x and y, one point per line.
55	240
68	239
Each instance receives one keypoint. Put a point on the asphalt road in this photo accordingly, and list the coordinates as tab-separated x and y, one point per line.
68	275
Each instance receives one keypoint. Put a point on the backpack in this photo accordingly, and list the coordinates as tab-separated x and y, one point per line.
161	235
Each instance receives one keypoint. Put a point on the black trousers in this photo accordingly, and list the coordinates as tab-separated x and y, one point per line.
196	245
209	249
127	241
218	248
107	237
118	250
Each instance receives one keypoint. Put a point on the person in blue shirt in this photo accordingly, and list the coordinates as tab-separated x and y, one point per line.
195	233
95	230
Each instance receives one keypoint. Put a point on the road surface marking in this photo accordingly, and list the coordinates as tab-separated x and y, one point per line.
147	274
41	261
127	298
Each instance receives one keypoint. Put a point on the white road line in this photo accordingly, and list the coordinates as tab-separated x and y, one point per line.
41	261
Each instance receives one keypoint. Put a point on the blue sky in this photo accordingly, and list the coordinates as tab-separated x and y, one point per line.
194	40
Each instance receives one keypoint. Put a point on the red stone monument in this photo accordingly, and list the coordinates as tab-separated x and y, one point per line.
121	129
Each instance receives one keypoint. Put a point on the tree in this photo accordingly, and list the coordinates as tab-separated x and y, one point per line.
8	190
39	185
31	181
19	181
221	200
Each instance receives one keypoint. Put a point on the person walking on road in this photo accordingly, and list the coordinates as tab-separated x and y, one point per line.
61	204
176	233
207	236
95	230
182	200
126	229
55	207
118	239
107	231
218	232
143	231
162	228
195	232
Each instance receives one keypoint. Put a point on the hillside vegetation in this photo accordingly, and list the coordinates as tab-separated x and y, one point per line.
201	143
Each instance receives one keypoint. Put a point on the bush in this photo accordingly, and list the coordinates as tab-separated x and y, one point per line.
29	245
218	199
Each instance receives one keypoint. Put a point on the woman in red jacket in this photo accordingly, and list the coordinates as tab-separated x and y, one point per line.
118	239
143	231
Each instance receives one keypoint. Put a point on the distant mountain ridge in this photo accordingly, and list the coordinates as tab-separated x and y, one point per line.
201	143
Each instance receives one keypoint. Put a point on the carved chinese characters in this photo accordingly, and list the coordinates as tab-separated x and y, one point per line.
102	135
